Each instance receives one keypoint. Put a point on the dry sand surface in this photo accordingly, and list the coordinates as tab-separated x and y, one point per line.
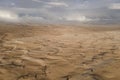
59	53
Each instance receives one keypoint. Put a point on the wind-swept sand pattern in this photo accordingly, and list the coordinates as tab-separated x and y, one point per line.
59	53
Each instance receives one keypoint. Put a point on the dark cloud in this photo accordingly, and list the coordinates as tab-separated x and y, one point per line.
61	10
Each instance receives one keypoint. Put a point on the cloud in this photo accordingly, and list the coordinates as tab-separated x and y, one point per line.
114	6
8	16
58	4
79	18
37	1
13	4
60	10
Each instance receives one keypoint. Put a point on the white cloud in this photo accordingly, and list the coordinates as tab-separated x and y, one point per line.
8	16
114	6
77	18
13	4
58	4
27	17
37	1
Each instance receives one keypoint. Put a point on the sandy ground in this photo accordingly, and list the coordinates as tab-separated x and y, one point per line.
59	53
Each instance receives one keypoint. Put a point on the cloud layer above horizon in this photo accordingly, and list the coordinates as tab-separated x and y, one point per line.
94	11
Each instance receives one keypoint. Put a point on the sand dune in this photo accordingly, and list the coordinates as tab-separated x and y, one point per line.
59	53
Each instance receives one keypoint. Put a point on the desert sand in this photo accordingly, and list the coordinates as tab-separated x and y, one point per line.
59	52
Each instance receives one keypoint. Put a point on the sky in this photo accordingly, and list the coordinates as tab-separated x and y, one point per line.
81	11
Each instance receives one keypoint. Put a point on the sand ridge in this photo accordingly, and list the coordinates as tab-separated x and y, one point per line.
59	53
